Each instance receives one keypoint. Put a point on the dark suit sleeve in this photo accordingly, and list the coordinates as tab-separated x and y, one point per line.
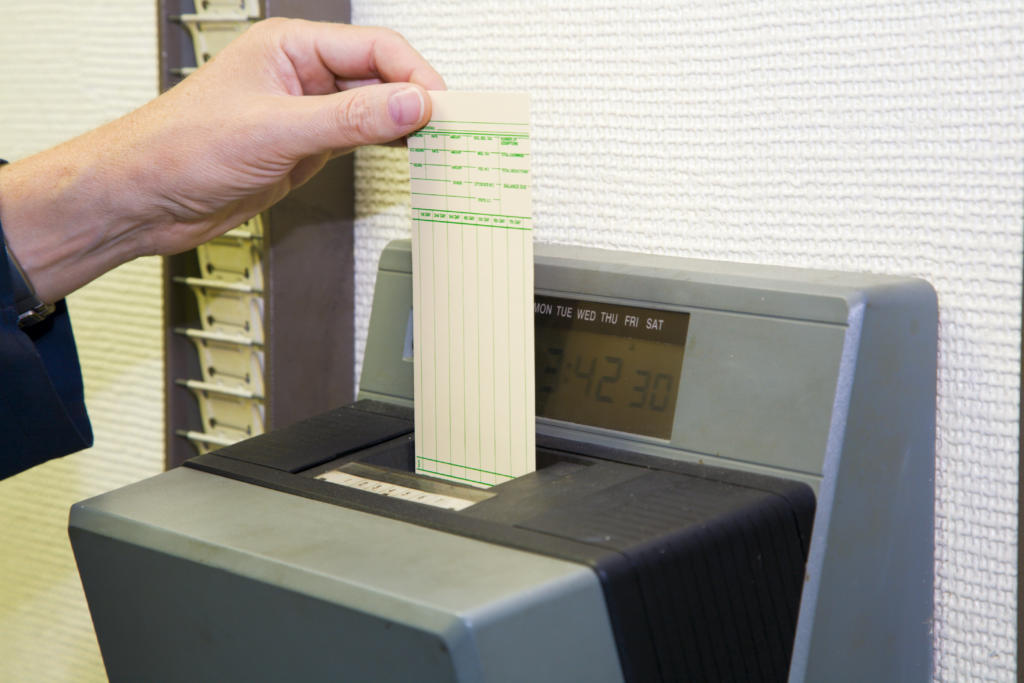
42	407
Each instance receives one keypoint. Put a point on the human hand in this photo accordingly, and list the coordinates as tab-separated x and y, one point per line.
227	142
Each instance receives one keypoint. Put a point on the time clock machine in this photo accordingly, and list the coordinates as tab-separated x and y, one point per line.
734	482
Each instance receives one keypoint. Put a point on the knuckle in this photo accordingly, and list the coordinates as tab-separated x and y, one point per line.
270	25
388	33
392	40
272	29
357	118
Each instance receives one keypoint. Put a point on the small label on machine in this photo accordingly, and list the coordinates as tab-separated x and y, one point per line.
384	488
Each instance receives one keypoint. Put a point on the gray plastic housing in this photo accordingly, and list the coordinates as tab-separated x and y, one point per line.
194	576
823	377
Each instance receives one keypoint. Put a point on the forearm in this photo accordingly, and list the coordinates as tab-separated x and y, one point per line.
67	215
226	143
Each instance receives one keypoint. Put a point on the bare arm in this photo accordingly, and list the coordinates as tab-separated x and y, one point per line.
233	138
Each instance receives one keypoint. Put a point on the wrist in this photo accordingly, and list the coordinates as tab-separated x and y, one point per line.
62	222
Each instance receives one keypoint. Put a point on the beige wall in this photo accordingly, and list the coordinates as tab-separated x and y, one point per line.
66	66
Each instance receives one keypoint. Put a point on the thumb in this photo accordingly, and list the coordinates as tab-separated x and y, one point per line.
367	115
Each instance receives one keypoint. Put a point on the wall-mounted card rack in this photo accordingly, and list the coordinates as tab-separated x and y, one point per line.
259	321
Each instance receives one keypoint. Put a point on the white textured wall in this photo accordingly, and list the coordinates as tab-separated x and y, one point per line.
884	136
66	66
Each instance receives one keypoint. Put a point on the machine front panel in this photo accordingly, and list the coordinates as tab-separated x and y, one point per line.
633	362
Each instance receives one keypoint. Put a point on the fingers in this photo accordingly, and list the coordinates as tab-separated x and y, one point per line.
367	115
348	84
324	54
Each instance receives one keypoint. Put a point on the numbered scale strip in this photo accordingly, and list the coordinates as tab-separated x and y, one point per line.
383	488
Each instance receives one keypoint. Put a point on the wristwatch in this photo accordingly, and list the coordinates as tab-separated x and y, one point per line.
29	307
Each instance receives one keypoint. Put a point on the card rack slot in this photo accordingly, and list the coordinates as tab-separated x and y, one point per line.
228	360
231	260
228	308
215	23
204	443
250	230
228	414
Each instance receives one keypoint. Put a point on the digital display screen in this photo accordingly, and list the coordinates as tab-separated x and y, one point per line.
607	365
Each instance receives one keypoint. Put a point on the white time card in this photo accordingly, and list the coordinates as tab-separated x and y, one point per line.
472	258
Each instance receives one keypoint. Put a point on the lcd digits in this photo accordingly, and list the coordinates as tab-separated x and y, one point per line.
609	366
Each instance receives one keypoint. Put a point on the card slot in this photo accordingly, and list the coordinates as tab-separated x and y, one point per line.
230	364
231	261
228	308
235	9
211	34
204	443
217	337
225	413
252	229
216	23
219	389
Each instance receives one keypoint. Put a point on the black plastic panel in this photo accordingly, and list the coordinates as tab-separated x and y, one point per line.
318	439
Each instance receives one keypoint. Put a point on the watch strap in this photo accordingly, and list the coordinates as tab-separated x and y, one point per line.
29	307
